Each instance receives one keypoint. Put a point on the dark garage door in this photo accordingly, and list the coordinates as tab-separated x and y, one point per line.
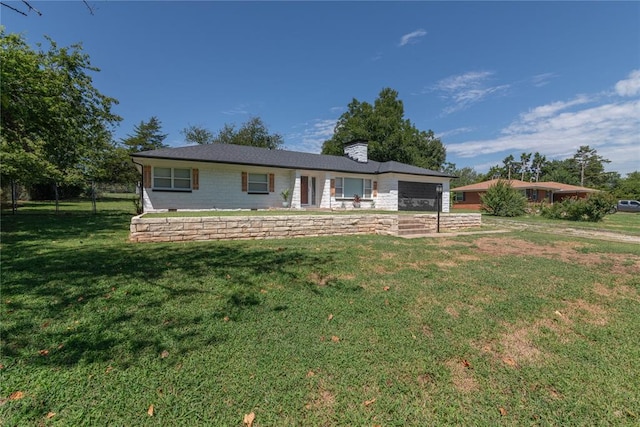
417	196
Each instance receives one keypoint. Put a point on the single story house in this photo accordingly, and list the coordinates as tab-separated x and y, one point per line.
468	196
226	176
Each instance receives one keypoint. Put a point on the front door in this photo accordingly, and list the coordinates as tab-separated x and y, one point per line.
304	190
307	190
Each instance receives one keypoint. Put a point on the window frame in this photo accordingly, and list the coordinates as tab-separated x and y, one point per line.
172	179
366	190
250	182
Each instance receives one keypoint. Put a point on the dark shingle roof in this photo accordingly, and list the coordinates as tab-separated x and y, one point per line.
245	155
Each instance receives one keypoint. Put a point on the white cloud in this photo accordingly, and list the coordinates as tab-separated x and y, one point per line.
313	135
551	109
464	90
630	86
412	37
240	109
613	129
543	79
456	131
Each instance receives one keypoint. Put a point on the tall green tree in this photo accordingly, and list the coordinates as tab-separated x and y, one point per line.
590	166
52	117
197	134
146	136
390	135
537	164
525	158
465	176
628	187
253	132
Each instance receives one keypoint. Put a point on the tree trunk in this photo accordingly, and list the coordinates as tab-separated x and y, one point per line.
14	201
93	197
55	190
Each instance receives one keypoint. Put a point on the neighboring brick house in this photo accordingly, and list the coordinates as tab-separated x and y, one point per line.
225	176
468	196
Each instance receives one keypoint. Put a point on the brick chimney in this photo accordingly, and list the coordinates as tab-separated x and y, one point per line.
357	150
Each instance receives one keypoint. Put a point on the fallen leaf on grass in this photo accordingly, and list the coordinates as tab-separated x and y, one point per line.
310	374
50	415
330	317
335	339
16	395
466	363
226	318
109	369
150	411
43	352
509	361
45	324
164	354
248	419
386	288
369	402
503	411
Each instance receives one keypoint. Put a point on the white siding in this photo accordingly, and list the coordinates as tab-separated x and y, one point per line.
221	188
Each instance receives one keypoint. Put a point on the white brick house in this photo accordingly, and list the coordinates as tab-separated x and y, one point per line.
225	176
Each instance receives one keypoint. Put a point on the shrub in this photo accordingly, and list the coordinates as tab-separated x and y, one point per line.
501	199
592	209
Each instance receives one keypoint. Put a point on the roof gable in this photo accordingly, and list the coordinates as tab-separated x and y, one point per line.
256	156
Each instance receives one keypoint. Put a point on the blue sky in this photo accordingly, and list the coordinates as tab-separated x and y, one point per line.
489	78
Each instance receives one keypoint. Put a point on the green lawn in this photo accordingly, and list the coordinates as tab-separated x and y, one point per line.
620	222
506	329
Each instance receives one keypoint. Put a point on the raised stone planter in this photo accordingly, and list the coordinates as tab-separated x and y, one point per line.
171	229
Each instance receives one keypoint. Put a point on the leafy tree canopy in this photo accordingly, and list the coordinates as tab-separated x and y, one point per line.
146	136
53	120
253	132
197	135
585	168
390	135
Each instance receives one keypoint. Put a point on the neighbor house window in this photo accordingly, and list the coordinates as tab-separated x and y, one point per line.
348	187
172	178
258	183
459	196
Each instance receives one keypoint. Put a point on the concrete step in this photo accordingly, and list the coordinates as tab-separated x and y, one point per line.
412	231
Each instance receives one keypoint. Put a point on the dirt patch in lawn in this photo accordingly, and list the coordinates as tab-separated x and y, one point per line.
321	399
462	376
564	251
517	347
619	291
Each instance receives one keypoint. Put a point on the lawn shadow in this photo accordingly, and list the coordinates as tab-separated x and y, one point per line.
102	299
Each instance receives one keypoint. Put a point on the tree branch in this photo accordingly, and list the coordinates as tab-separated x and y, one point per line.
32	8
12	8
88	7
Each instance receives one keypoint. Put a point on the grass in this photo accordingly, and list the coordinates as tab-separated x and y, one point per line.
620	222
509	329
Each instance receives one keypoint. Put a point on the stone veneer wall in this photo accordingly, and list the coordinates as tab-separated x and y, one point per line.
172	229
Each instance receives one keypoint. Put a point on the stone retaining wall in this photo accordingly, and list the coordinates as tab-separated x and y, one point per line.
172	229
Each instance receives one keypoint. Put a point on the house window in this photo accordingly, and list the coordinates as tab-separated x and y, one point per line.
172	179
258	183
348	187
459	196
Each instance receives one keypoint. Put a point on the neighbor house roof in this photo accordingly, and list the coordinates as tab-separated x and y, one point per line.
556	187
255	156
